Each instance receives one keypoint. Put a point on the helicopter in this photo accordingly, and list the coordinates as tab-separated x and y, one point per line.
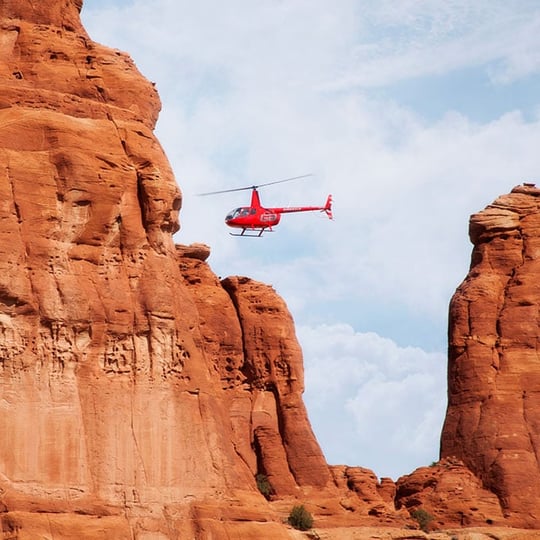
255	219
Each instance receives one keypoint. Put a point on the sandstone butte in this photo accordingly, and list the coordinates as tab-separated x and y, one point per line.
140	395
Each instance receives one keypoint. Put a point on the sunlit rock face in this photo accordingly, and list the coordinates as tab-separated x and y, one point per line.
493	418
451	494
101	360
138	394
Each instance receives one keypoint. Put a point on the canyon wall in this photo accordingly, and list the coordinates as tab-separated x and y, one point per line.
109	396
493	418
490	444
139	395
142	397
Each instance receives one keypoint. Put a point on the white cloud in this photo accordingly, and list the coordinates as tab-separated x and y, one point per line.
373	403
406	39
248	44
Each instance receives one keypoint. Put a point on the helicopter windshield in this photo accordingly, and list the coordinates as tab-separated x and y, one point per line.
238	212
233	213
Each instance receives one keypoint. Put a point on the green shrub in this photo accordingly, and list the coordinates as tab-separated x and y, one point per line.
423	518
300	518
264	485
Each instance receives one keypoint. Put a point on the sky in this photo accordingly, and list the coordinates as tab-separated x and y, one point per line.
413	114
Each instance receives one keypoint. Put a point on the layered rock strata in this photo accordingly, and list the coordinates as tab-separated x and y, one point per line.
493	418
451	494
139	396
142	397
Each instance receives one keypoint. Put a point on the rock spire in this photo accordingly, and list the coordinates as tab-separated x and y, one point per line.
493	418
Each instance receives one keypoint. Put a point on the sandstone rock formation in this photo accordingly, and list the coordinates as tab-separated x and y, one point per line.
451	494
141	397
493	418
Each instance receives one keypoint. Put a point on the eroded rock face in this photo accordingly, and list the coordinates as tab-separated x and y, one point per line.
493	418
451	494
274	370
105	392
139	396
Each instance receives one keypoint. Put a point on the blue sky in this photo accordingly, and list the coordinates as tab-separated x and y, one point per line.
413	114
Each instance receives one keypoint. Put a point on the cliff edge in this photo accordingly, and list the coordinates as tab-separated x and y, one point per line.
141	397
493	418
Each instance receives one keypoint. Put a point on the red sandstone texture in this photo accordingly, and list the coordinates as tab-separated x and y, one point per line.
140	396
451	494
135	387
493	418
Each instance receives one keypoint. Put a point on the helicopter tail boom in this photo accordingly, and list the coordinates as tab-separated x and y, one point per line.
327	208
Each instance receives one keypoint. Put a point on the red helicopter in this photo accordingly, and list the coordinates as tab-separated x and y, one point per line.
256	219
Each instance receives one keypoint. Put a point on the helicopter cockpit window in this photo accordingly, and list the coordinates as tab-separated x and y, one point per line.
238	212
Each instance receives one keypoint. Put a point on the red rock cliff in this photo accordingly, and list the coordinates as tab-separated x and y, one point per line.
493	418
139	396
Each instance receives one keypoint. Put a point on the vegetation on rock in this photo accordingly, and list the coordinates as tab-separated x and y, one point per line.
423	518
264	485
300	518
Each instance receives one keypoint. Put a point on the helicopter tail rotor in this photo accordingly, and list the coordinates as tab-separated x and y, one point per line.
328	207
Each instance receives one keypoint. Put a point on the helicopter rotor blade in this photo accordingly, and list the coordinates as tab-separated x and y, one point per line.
285	180
225	191
255	187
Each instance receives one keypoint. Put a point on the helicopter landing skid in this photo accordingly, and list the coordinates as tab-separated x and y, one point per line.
243	233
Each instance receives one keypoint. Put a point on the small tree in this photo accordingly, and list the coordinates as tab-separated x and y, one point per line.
423	518
264	485
300	518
